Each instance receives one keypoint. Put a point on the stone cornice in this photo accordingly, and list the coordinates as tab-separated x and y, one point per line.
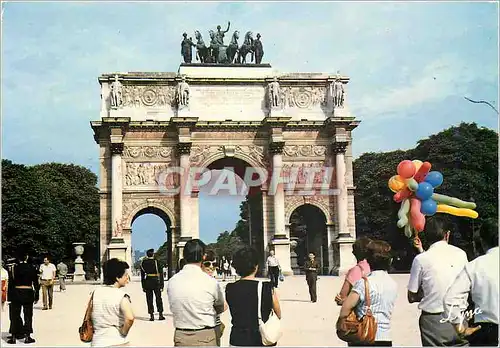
184	122
349	123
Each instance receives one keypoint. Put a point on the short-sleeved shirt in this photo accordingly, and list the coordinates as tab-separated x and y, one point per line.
62	268
272	261
47	271
242	299
193	296
5	274
357	272
383	293
435	270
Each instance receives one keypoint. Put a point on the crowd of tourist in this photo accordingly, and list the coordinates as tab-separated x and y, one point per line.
441	280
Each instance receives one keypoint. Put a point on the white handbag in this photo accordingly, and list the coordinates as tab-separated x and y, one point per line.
270	331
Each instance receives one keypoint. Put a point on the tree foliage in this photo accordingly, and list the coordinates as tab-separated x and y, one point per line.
47	207
466	155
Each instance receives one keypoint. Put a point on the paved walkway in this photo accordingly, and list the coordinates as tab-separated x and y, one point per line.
304	323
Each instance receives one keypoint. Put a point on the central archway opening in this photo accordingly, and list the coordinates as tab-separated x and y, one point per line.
151	229
308	230
230	212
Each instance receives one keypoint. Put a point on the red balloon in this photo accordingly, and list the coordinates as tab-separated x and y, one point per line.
402	195
406	169
422	172
416	217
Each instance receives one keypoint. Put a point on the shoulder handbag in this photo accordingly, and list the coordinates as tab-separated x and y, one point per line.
87	329
354	330
270	331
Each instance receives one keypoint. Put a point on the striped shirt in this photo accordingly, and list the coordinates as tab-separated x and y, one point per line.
383	293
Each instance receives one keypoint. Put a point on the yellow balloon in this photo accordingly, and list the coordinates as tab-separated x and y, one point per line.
418	164
396	183
448	209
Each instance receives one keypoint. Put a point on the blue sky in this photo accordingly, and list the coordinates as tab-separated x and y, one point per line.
410	65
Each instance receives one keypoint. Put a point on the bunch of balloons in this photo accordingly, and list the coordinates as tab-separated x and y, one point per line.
414	189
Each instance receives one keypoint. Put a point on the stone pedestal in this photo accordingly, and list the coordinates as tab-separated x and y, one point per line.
282	253
293	256
79	274
117	248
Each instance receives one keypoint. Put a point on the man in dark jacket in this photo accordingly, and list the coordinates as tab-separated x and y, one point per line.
152	282
25	294
311	267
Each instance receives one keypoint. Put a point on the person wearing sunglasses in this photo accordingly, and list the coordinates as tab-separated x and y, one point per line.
208	266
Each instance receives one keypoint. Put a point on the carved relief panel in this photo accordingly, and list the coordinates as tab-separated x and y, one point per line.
148	96
200	154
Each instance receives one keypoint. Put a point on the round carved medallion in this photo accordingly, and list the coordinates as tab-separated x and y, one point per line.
149	97
149	151
303	99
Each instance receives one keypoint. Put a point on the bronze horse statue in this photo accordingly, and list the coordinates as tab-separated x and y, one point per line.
246	48
201	48
233	47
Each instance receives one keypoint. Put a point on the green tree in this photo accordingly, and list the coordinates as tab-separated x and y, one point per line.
466	155
48	207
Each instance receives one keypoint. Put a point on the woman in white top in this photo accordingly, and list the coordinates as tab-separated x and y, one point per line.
112	314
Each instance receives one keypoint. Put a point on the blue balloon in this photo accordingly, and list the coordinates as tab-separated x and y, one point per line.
424	191
434	178
429	207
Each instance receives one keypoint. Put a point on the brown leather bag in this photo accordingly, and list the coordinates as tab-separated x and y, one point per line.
354	330
87	329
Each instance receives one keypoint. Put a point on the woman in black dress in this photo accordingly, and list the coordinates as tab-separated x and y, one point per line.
242	299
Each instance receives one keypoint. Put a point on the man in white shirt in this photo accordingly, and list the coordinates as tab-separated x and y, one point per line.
195	299
47	280
273	268
432	273
480	279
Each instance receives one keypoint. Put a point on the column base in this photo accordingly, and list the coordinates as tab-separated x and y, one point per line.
117	248
346	257
282	253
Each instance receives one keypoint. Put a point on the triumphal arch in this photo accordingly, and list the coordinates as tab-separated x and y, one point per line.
294	128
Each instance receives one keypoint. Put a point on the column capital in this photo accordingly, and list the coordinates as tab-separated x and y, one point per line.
184	148
116	148
339	147
276	148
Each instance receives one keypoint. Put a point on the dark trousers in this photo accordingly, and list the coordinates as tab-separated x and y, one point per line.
311	282
23	301
486	336
149	300
274	273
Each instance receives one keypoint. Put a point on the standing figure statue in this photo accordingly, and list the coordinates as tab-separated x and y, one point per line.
220	34
183	93
186	50
201	48
115	94
338	92
258	49
214	48
246	48
274	93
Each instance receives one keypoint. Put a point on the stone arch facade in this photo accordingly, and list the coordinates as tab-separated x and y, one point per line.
148	132
296	202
